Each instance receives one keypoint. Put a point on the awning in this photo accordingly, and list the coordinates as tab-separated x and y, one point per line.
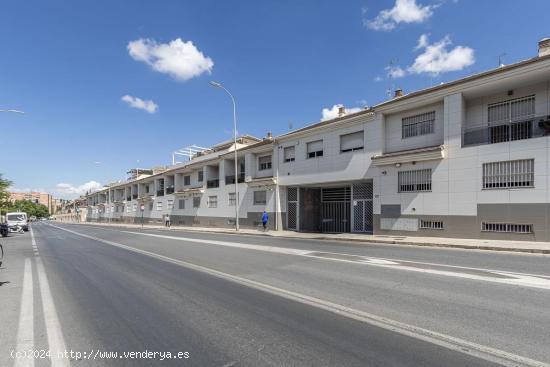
411	155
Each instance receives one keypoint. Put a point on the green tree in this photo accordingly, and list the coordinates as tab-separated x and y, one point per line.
4	194
29	207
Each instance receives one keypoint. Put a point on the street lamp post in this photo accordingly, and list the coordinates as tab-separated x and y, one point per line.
218	85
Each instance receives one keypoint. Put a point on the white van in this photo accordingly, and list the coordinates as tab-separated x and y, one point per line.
18	219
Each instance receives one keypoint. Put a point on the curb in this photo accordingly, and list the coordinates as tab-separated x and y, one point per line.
355	240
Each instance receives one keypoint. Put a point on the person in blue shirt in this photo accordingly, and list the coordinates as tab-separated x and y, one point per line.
265	218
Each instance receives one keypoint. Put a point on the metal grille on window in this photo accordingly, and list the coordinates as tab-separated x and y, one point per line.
511	120
418	125
414	181
232	201
181	204
506	227
292	208
212	201
260	197
431	224
509	174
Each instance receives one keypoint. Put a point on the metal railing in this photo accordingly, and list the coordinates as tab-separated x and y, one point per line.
212	183
128	198
229	180
505	131
134	196
160	192
169	190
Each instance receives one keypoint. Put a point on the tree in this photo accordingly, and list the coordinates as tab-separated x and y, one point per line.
4	194
29	207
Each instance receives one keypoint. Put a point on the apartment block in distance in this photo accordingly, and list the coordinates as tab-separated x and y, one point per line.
468	158
36	197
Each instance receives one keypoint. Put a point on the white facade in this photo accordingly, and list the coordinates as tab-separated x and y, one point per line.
466	159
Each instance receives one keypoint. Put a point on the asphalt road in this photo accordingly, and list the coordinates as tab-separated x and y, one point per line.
262	301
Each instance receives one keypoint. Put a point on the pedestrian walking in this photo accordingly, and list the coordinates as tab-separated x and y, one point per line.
167	220
265	219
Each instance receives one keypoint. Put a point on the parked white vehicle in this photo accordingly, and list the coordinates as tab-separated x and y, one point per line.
20	219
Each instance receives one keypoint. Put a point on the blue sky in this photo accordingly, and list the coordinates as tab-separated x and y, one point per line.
68	65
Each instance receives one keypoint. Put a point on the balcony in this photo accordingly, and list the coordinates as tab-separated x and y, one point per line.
134	196
160	192
128	198
229	180
210	184
505	131
170	190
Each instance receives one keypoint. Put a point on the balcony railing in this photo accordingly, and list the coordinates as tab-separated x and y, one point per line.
128	198
134	196
160	192
212	183
169	190
504	131
229	180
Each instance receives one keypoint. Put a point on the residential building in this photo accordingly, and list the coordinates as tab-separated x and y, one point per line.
36	197
468	158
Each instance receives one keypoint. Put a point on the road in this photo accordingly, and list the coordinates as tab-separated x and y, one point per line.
229	300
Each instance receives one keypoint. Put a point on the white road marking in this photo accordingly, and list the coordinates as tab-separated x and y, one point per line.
447	341
517	279
56	342
25	329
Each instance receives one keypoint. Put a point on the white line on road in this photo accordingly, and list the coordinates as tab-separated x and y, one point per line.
508	278
447	341
56	342
25	329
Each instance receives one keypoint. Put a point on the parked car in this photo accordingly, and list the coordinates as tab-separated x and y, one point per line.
18	219
4	229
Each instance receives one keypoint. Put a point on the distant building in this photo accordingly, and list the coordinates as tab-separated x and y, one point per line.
36	197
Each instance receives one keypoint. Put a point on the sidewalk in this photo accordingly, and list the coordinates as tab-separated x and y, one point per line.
463	243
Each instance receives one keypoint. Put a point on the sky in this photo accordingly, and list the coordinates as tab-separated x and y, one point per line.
110	85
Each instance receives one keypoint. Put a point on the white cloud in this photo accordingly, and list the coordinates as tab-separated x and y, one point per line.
395	72
404	11
139	103
378	79
330	113
437	58
179	59
67	190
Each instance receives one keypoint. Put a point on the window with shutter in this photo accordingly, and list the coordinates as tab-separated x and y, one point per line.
289	154
264	163
351	142
315	149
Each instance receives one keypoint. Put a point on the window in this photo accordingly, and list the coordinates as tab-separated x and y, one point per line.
511	119
159	205
181	204
506	227
431	224
186	180
128	208
232	201
351	142
509	174
169	204
315	149
212	201
414	181
289	154
196	202
150	206
147	188
264	163
134	207
260	197
418	125
200	176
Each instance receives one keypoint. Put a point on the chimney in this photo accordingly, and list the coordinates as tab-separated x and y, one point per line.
341	111
544	47
398	93
269	135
